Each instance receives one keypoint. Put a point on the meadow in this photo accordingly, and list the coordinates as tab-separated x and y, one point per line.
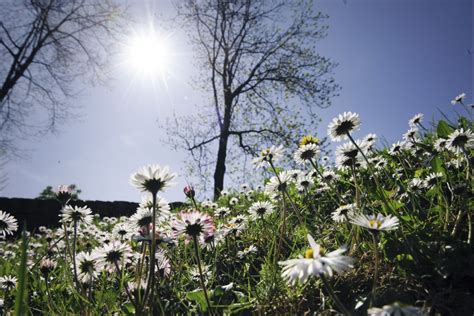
371	229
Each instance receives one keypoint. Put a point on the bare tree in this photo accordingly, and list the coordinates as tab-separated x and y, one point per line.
45	47
259	62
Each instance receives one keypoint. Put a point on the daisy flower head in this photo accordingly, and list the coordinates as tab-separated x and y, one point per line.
193	224
304	182
113	254
8	282
8	224
416	120
247	252
375	222
343	213
267	156
343	124
163	264
329	176
162	206
396	310
233	201
306	153
433	178
222	211
460	140
235	226
278	184
122	231
314	263
370	140
396	148
308	139
411	134
87	268
440	144
152	178
245	187
260	210
348	155
47	265
76	214
458	99
416	184
65	192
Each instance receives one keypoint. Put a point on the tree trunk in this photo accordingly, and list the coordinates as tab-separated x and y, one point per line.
220	165
223	140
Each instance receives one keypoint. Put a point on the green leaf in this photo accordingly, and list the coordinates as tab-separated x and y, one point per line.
444	129
437	165
198	297
128	309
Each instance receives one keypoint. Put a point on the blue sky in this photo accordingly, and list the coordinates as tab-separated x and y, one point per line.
396	58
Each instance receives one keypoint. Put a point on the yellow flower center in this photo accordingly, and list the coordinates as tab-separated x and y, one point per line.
309	254
375	223
309	139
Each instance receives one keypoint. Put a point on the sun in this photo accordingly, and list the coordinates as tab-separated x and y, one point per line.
149	53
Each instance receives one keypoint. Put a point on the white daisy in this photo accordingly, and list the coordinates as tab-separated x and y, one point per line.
460	140
342	125
8	224
416	184
375	223
314	263
278	184
306	153
348	155
259	210
8	282
222	211
343	213
440	144
458	99
395	310
123	231
329	176
370	140
87	268
76	214
152	178
396	148
233	201
247	252
192	224
303	183
411	134
113	254
433	178
268	155
416	120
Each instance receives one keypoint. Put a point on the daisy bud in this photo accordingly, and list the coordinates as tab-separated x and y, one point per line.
189	191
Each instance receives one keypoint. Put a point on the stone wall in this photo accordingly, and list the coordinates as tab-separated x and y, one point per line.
46	212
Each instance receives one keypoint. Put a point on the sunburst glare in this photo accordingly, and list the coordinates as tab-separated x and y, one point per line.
149	54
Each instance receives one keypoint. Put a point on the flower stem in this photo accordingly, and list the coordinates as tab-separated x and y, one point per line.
356	185
74	255
201	277
334	297
376	266
379	188
149	292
